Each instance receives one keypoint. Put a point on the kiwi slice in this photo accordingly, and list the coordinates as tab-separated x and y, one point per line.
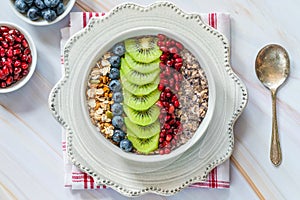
141	67
144	49
144	117
144	145
142	131
140	102
139	89
137	77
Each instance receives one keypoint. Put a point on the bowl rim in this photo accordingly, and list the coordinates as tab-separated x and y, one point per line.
68	9
201	130
32	67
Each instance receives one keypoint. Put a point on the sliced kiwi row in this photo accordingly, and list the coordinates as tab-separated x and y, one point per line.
139	76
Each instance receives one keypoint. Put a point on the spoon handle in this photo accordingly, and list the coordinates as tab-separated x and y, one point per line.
275	153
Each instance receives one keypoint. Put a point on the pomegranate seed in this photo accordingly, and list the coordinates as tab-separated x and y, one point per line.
27	51
167	126
179	45
29	59
167	118
173	121
164	49
17	63
5	34
160	87
2	52
2	75
25	43
166	104
164	57
4	44
162	65
17	70
165	143
178	60
169	137
17	77
1	38
24	65
175	137
171	109
176	56
159	104
9	80
25	72
167	151
164	82
168	94
178	66
161	37
9	53
5	70
161	152
168	43
17	51
161	140
160	43
174	98
178	123
4	29
170	63
173	50
21	36
172	42
24	57
176	104
173	142
3	85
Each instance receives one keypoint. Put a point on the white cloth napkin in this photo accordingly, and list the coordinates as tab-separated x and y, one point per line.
74	178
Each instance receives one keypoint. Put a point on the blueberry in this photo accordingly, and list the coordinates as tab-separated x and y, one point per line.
117	97
114	73
51	3
126	145
115	85
39	4
60	9
115	61
49	15
33	13
119	49
117	109
21	6
117	121
118	135
28	2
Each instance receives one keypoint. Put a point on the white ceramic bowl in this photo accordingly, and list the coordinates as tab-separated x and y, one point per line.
25	79
41	22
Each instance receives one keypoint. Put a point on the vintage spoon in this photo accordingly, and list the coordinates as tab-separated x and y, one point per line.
272	68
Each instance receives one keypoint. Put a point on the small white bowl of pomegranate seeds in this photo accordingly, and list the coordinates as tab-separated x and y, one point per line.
18	57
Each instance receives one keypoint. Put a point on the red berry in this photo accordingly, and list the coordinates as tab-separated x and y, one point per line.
179	45
160	87
173	50
164	49
161	37
160	43
169	137
176	104
168	43
164	57
167	151
178	60
159	104
171	109
25	43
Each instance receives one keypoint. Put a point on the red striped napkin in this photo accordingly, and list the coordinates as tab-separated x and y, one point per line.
74	178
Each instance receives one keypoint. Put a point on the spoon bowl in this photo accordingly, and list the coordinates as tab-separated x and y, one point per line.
272	67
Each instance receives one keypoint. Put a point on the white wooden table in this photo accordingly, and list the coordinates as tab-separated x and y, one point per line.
31	164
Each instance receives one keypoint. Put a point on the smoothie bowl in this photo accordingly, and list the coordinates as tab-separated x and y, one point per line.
148	95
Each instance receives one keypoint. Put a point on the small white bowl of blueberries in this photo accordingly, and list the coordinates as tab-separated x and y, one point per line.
42	12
